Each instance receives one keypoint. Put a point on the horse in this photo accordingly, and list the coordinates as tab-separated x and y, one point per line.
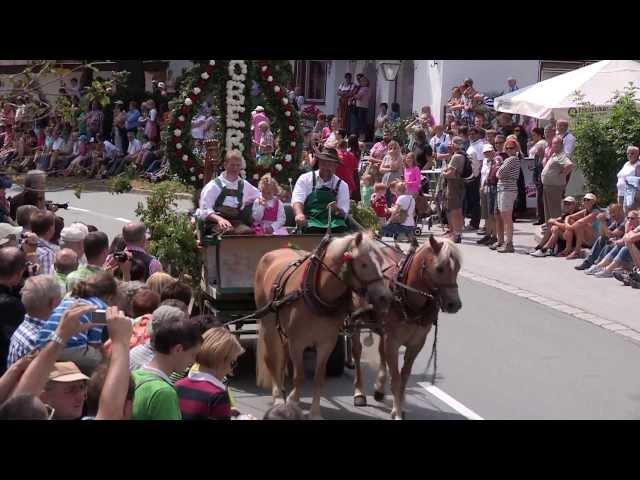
424	282
308	296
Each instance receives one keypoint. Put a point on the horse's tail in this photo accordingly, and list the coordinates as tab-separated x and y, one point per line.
270	355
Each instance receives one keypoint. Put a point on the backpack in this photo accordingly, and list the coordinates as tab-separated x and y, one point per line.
467	169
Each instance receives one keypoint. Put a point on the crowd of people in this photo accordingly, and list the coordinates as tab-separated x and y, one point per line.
93	328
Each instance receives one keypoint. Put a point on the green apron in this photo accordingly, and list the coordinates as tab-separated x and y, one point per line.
317	213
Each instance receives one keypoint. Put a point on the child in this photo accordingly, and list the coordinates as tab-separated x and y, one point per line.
378	202
264	148
268	211
203	395
366	189
412	176
401	220
321	122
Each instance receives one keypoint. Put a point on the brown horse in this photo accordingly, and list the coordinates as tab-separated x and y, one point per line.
431	275
320	287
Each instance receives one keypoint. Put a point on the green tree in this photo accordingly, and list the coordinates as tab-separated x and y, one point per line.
602	141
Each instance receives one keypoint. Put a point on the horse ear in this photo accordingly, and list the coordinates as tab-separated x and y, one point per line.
435	245
358	239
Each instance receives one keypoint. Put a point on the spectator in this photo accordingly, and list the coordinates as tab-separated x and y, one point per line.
72	237
421	122
159	281
488	194
266	146
412	174
402	219
94	120
568	139
178	291
25	407
345	91
203	395
329	133
391	167
23	216
95	247
99	292
361	97
134	234
175	340
151	125
381	120
553	234
133	114
554	178
134	148
611	230
66	262
582	228
511	84
43	224
12	268
619	257
472	184
40	296
507	190
455	188
422	150
455	104
505	124
630	168
347	170
536	151
439	141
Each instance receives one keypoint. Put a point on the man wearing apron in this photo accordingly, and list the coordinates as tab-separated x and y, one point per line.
226	200
317	191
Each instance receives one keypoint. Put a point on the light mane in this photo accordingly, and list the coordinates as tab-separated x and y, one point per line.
451	250
367	247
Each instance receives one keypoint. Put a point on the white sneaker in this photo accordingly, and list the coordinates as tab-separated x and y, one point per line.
539	253
593	269
604	274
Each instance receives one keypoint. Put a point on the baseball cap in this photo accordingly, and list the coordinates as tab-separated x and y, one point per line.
66	372
7	229
72	234
487	148
569	200
590	196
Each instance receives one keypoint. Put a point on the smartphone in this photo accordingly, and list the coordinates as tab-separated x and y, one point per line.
99	317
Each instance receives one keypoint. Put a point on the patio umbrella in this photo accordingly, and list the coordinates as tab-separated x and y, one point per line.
555	97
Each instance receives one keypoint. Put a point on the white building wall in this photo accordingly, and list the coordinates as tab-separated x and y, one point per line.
427	86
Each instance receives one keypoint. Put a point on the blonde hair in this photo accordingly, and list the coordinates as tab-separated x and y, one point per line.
268	181
159	281
400	187
412	156
218	345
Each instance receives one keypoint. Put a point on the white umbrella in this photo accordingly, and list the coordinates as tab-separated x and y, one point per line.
555	98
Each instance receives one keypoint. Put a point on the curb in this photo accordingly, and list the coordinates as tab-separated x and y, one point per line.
571	310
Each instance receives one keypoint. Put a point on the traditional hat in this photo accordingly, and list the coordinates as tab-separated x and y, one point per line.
329	155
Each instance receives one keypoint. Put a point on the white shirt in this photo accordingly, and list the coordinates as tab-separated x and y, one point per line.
57	144
626	170
569	142
444	138
538	148
110	149
134	147
476	156
484	172
406	202
153	114
304	187
211	191
258	212
197	127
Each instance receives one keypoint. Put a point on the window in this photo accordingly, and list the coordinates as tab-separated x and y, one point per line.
311	75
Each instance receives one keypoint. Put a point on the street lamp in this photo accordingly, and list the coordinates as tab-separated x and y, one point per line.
390	71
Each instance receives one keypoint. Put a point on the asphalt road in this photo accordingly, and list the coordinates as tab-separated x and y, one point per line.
501	357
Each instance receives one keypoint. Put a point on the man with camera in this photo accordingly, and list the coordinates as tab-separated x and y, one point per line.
96	249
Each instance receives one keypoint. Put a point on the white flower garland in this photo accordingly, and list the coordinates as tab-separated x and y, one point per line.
234	136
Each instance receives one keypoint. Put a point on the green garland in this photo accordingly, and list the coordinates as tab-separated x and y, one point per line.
210	77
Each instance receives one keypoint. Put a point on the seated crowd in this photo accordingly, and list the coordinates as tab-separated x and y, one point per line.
93	329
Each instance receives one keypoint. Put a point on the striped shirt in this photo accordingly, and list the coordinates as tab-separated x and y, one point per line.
203	397
93	336
139	356
46	253
24	339
508	174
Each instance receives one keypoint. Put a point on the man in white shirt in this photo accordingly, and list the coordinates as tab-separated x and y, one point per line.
568	140
118	164
226	200
472	184
316	192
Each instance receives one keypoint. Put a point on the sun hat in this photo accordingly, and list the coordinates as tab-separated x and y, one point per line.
590	196
66	372
6	230
569	199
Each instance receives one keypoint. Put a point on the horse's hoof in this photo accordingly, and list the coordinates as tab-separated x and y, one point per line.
360	401
378	396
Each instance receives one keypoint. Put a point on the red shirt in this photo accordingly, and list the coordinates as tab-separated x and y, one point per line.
379	205
347	168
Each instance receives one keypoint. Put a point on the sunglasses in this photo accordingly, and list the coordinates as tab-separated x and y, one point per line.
632	218
50	411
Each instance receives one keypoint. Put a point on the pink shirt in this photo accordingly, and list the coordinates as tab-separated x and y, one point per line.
379	150
412	178
255	121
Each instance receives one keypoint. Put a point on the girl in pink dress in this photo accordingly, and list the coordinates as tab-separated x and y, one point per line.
268	211
412	176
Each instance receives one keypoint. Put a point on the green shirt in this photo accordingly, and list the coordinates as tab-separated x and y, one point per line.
154	398
62	280
81	274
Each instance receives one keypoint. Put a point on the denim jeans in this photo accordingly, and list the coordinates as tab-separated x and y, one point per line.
600	249
620	254
393	229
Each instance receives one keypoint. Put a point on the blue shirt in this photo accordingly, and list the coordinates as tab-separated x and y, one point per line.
93	336
132	119
24	339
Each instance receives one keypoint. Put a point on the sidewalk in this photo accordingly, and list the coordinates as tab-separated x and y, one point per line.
550	277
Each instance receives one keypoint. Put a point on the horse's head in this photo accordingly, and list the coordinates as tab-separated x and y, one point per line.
442	268
365	262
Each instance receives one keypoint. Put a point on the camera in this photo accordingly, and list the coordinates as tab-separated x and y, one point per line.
63	206
31	269
121	256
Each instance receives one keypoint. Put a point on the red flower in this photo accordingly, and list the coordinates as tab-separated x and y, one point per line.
347	257
179	124
209	69
193	97
200	83
185	110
